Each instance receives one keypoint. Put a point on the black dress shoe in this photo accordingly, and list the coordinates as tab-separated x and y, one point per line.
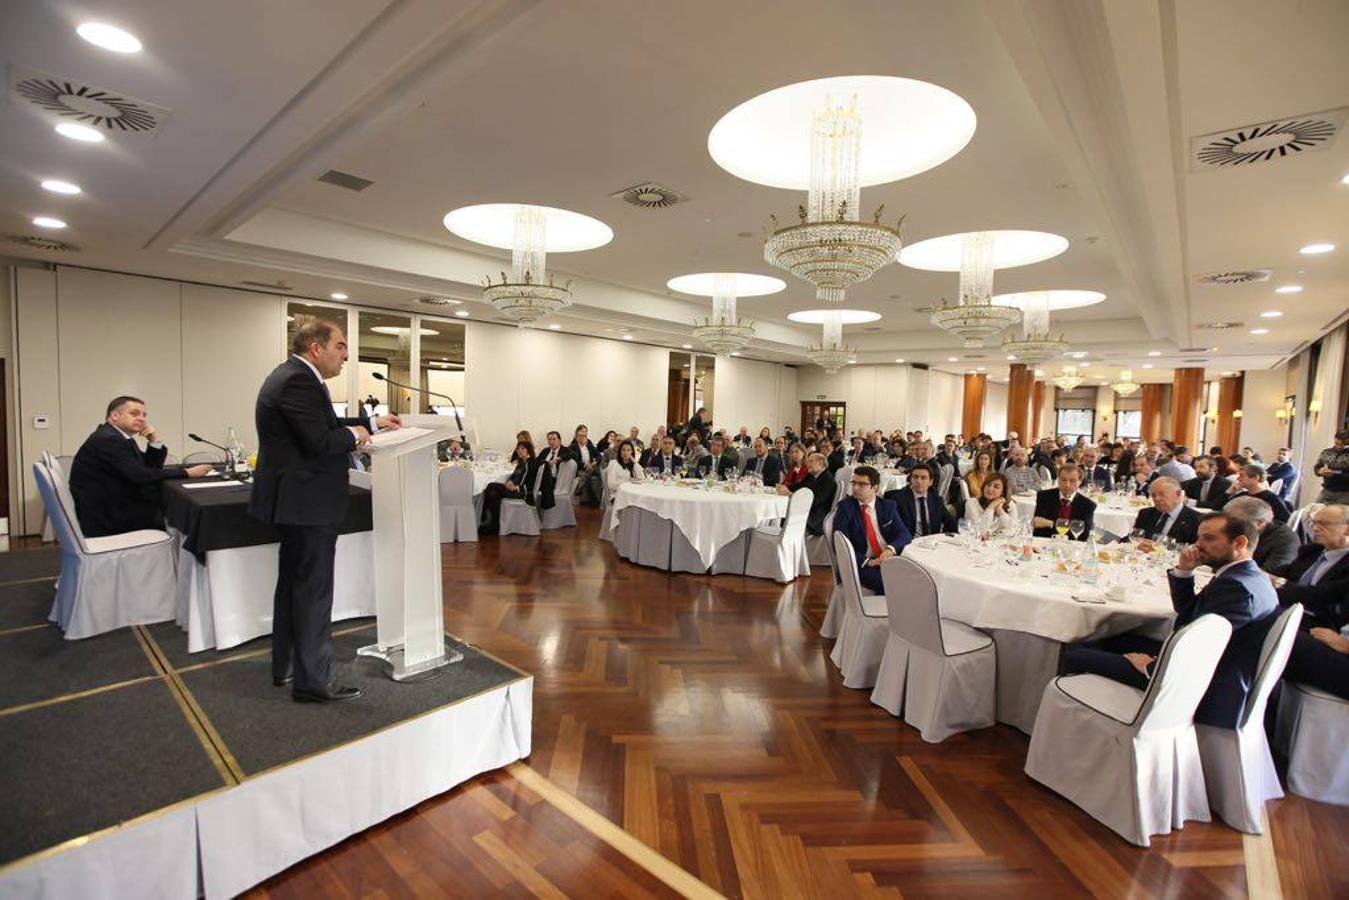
282	682
330	694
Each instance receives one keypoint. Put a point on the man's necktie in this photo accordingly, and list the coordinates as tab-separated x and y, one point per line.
922	515
873	537
1312	570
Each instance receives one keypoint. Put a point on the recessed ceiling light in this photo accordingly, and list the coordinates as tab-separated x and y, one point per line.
77	132
1212	350
1259	331
851	362
953	359
338	295
1080	354
1054	300
687	346
109	37
899	360
1313	249
463	314
1344	180
627	337
48	222
1154	353
1039	373
56	186
399	330
1271	314
1289	289
735	353
1147	365
554	327
983	368
1011	357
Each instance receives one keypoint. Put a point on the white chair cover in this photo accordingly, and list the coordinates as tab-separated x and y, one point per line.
1130	758
779	551
941	675
58	475
948	474
818	550
861	639
518	517
1276	484
606	504
1238	767
1312	731
458	513
1300	521
563	513
110	582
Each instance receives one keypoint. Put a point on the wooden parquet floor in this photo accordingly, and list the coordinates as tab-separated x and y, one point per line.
702	717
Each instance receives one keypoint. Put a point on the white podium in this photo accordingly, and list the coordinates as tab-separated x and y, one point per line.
410	626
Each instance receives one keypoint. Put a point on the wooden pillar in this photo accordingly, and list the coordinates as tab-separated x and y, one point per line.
1037	405
1187	398
972	412
1019	382
1150	424
1229	401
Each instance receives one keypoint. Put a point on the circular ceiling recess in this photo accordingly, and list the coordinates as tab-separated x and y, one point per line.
1058	299
493	224
746	285
1010	249
908	127
849	316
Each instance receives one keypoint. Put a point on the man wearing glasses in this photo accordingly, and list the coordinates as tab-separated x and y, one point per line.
872	525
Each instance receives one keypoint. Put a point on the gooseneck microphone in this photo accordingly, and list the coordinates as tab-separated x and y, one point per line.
229	456
201	440
379	376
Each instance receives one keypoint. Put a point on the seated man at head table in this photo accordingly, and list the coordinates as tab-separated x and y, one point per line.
872	525
115	484
1239	592
1319	580
1168	516
822	486
1063	502
1278	544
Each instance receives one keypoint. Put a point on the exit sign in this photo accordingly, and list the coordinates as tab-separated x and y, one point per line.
821	396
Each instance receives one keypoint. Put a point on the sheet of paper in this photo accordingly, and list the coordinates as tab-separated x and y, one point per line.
383	439
196	485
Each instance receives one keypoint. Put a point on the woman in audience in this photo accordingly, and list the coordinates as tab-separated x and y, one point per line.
983	468
523	437
766	434
796	466
607	443
519	486
623	468
992	510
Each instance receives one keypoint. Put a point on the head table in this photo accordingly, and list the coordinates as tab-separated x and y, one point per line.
1114	513
1032	608
710	518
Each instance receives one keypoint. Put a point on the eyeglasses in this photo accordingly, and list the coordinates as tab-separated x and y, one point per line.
862	483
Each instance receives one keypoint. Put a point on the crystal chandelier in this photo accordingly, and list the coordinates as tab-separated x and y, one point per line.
1036	344
722	333
1069	379
525	296
829	247
1126	384
832	354
975	318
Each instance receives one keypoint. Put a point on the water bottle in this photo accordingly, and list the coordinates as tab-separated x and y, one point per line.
235	458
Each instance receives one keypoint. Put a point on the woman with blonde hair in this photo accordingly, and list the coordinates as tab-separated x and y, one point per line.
983	468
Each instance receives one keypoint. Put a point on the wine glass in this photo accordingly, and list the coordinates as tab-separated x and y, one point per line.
1061	527
1076	527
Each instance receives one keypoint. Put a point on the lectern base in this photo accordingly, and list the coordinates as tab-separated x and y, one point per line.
399	671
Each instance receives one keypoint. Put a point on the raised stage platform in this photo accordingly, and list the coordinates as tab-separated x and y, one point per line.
133	768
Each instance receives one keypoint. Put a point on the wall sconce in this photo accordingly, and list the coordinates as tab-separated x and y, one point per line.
1281	413
1236	414
1314	406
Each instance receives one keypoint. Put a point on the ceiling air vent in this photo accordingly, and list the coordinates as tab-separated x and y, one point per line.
38	242
345	180
1247	276
75	101
1193	350
1219	326
649	195
438	301
1267	141
1197	359
263	285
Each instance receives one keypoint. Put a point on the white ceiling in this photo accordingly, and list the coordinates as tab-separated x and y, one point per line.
1085	109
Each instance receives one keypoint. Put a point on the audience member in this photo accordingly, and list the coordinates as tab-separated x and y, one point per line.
1207	488
1096	472
993	510
721	461
1168	516
795	471
1277	545
765	465
1250	481
1319	580
872	525
1283	471
1332	467
1063	502
588	472
552	458
665	461
920	509
822	486
982	469
1177	466
623	468
1021	478
519	486
1143	474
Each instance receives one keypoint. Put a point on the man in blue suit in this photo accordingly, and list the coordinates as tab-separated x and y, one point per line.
872	525
920	509
1239	592
764	464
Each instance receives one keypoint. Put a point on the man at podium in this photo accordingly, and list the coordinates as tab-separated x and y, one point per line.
304	453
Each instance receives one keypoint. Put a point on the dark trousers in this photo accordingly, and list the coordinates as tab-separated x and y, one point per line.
870	576
492	495
591	486
1315	664
1106	657
302	608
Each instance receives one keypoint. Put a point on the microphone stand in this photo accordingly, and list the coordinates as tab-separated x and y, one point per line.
229	456
379	376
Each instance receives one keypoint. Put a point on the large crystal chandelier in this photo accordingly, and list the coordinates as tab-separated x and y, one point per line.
525	296
1036	344
975	318
832	354
1126	384
830	247
723	333
1069	379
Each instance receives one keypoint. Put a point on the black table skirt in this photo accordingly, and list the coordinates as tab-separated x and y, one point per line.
216	518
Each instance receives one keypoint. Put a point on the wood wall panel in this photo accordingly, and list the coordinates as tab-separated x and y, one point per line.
1186	403
1150	426
972	410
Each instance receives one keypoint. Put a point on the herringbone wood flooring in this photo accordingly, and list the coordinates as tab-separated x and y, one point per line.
702	716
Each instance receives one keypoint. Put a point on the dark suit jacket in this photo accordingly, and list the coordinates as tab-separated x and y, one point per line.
1328	599
1243	596
303	450
575	449
835	461
116	485
727	464
657	461
697	425
1217	493
1281	511
523	476
1185	529
548	467
1276	549
1047	507
1142	490
1103	475
823	486
848	522
772	468
939	520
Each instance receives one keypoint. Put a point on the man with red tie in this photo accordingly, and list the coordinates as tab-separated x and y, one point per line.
872	525
1063	502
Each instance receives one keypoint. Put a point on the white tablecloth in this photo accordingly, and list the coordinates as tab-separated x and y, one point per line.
709	519
1113	513
892	480
483	476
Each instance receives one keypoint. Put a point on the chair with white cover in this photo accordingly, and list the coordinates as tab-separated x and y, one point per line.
1300	521
1238	767
606	504
861	638
518	517
1312	730
108	582
48	529
1129	757
458	513
1276	484
779	551
946	476
843	482
563	513
939	674
817	545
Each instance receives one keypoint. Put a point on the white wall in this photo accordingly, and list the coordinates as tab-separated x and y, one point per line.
37	377
889	396
995	411
1261	394
445	381
754	394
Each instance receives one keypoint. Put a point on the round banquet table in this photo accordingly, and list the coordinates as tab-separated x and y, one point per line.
708	518
1031	611
1114	513
892	480
484	475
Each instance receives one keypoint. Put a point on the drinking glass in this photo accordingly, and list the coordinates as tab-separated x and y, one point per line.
1076	527
1061	527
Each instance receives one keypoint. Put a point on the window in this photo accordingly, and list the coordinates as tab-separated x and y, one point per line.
1075	422
1128	424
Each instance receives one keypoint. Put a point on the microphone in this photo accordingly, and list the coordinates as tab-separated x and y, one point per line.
229	456
379	376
